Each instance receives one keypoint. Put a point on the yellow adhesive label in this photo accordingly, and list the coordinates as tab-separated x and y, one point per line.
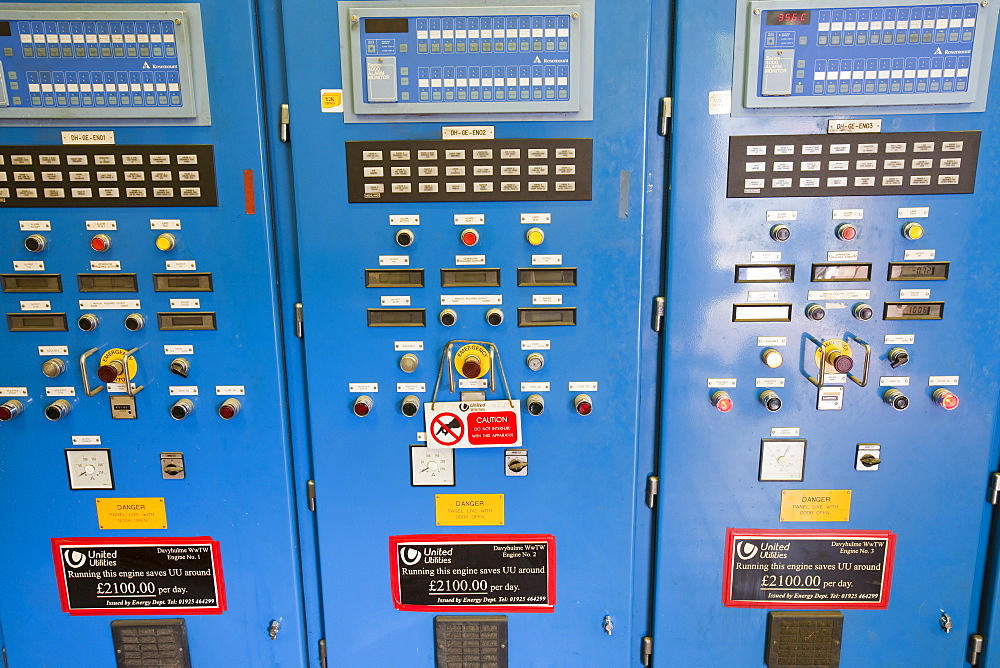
815	505
331	100
469	509
476	350
147	513
119	354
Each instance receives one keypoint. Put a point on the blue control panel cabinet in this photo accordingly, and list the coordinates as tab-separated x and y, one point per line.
830	312
144	460
527	241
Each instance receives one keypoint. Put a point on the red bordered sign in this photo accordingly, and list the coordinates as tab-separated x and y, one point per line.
808	569
473	572
139	576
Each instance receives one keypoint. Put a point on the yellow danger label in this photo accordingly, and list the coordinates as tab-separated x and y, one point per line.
330	100
815	505
148	513
119	354
469	509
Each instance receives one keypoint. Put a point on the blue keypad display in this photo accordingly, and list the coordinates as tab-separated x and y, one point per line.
876	52
91	64
487	60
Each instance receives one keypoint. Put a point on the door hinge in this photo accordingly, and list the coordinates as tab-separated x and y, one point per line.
300	325
646	650
652	490
311	495
284	124
666	111
976	643
994	494
659	312
322	653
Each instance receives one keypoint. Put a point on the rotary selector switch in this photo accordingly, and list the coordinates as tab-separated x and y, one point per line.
898	357
179	366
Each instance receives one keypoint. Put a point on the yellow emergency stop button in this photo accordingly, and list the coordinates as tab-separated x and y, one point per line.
535	236
913	231
166	241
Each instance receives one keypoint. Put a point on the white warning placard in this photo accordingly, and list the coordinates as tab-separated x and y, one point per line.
473	424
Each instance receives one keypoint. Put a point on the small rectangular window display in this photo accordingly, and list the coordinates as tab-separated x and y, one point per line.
912	311
854	271
765	273
918	271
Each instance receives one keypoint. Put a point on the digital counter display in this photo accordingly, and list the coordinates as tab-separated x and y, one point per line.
911	311
918	271
841	272
788	17
387	25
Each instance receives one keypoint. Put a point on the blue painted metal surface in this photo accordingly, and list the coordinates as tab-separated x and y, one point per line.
930	487
585	481
238	484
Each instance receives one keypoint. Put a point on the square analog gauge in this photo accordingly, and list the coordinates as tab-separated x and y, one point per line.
782	460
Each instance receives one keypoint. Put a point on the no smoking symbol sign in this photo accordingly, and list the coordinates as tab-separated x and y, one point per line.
447	429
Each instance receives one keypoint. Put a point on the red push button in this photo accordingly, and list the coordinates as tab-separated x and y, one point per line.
229	409
100	242
470	237
362	405
946	399
722	401
847	232
583	404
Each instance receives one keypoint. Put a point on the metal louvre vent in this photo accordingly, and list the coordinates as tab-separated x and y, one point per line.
804	639
478	641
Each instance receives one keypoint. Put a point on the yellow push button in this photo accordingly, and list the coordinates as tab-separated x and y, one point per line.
166	241
913	231
535	236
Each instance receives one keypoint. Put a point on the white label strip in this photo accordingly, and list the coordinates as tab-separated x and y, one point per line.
848	214
762	296
583	386
115	304
362	387
889	381
542	300
546	259
535	387
421	437
181	265
722	382
35	225
102	225
88	137
13	391
470	219
915	294
404	220
185	303
411	387
39	305
943	380
462	260
467	132
60	391
183	390
913	212
408	345
178	350
841	256
105	265
536	218
464	300
765	256
781	216
780	432
164	224
53	350
535	344
393	260
772	341
240	390
834	305
397	300
119	387
770	382
472	383
839	294
899	339
835	379
924	254
855	126
86	440
29	265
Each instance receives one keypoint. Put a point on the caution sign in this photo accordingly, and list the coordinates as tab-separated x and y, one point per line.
808	569
139	576
473	573
473	424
